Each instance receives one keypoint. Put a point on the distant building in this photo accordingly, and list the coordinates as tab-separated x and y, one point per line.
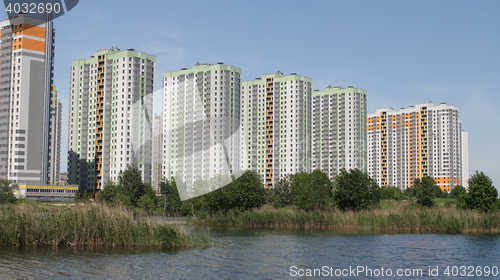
423	140
110	126
156	174
63	179
339	130
276	125
26	67
46	193
201	112
55	138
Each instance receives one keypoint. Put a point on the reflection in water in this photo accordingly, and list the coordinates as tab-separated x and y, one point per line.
254	253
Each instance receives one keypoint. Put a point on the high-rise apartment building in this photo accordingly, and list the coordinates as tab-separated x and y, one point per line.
201	116
339	130
110	125
156	175
276	125
26	67
55	139
423	140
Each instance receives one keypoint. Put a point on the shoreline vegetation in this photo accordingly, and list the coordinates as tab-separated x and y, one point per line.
90	224
102	225
352	202
401	219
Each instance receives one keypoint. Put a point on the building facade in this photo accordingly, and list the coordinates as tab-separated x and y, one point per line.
55	139
201	116
26	67
339	130
156	175
423	140
110	125
276	125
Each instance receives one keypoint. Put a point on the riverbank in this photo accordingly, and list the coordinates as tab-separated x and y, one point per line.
396	220
92	224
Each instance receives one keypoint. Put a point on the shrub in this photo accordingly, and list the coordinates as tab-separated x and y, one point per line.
482	195
425	191
355	190
312	190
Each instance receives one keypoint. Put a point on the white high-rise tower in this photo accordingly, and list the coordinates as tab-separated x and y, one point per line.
339	130
201	117
111	117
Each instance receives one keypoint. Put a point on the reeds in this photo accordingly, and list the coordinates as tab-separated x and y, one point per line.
84	225
403	219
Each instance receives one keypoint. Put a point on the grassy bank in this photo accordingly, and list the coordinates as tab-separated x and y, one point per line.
401	219
84	225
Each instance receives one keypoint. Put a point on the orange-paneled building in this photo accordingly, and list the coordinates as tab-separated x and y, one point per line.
26	67
423	140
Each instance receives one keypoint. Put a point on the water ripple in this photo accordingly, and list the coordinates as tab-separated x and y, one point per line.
255	254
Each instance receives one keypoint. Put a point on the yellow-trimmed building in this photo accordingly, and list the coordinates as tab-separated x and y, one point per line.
46	192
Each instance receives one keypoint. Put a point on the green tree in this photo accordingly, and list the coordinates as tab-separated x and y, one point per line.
212	201
130	190
311	190
438	192
410	192
171	199
426	190
131	184
219	200
109	191
458	192
247	192
208	203
122	199
482	195
149	191
82	196
388	193
281	195
355	190
195	206
147	203
6	194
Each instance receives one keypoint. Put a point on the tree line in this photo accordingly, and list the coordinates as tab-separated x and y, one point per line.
350	190
481	195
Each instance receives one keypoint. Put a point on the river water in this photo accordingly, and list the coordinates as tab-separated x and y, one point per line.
271	254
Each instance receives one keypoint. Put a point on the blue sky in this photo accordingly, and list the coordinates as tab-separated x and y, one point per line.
401	52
